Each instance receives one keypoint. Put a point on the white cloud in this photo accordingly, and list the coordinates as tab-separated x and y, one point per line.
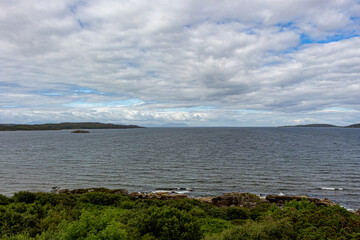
228	55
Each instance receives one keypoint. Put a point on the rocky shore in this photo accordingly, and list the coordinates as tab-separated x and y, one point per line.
225	200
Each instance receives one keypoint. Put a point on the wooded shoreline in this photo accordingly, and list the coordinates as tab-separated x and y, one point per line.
62	126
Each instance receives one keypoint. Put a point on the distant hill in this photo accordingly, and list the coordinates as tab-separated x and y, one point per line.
60	126
354	126
313	125
326	125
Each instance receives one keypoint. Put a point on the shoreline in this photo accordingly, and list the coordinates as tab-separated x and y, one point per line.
233	199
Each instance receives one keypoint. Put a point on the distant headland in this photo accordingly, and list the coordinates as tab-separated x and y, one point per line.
326	125
61	126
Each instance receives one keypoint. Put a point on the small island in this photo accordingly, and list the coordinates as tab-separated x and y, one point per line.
61	126
80	131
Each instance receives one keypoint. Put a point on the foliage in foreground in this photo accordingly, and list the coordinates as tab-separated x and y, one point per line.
101	215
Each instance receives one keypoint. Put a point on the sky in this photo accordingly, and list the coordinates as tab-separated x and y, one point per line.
180	63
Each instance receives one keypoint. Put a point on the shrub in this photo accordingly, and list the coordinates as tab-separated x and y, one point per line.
213	225
25	196
4	200
232	213
102	198
93	225
266	230
168	223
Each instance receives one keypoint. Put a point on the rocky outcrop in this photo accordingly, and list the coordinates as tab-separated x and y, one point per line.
225	200
157	195
87	190
280	200
233	199
357	212
134	195
80	131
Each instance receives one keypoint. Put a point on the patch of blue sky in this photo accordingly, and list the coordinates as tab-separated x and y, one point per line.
131	64
84	90
338	109
73	7
52	94
286	26
83	104
10	106
127	102
48	92
306	39
190	109
227	21
356	20
82	24
250	31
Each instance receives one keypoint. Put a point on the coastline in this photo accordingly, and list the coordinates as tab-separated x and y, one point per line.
102	213
233	199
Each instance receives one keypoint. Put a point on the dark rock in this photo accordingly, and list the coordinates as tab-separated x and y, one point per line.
234	199
87	190
80	131
357	212
280	200
158	195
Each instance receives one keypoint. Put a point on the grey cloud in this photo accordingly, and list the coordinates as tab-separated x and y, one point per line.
228	55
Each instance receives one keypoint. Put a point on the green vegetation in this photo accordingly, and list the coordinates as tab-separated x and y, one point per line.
60	126
105	215
354	126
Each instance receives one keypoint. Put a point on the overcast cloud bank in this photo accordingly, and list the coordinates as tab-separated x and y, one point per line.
203	63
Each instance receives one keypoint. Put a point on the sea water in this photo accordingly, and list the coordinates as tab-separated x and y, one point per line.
316	162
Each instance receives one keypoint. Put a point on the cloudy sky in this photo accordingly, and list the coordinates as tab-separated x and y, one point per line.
194	62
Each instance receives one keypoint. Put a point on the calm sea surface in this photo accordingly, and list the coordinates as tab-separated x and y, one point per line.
317	162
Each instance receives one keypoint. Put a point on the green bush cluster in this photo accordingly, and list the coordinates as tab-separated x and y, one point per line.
103	215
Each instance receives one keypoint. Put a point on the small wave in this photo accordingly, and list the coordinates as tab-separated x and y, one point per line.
349	209
331	188
174	190
262	196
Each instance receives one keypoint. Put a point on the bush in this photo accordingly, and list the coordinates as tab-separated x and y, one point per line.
266	230
168	223
102	198
214	225
93	225
311	222
26	197
4	200
232	213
